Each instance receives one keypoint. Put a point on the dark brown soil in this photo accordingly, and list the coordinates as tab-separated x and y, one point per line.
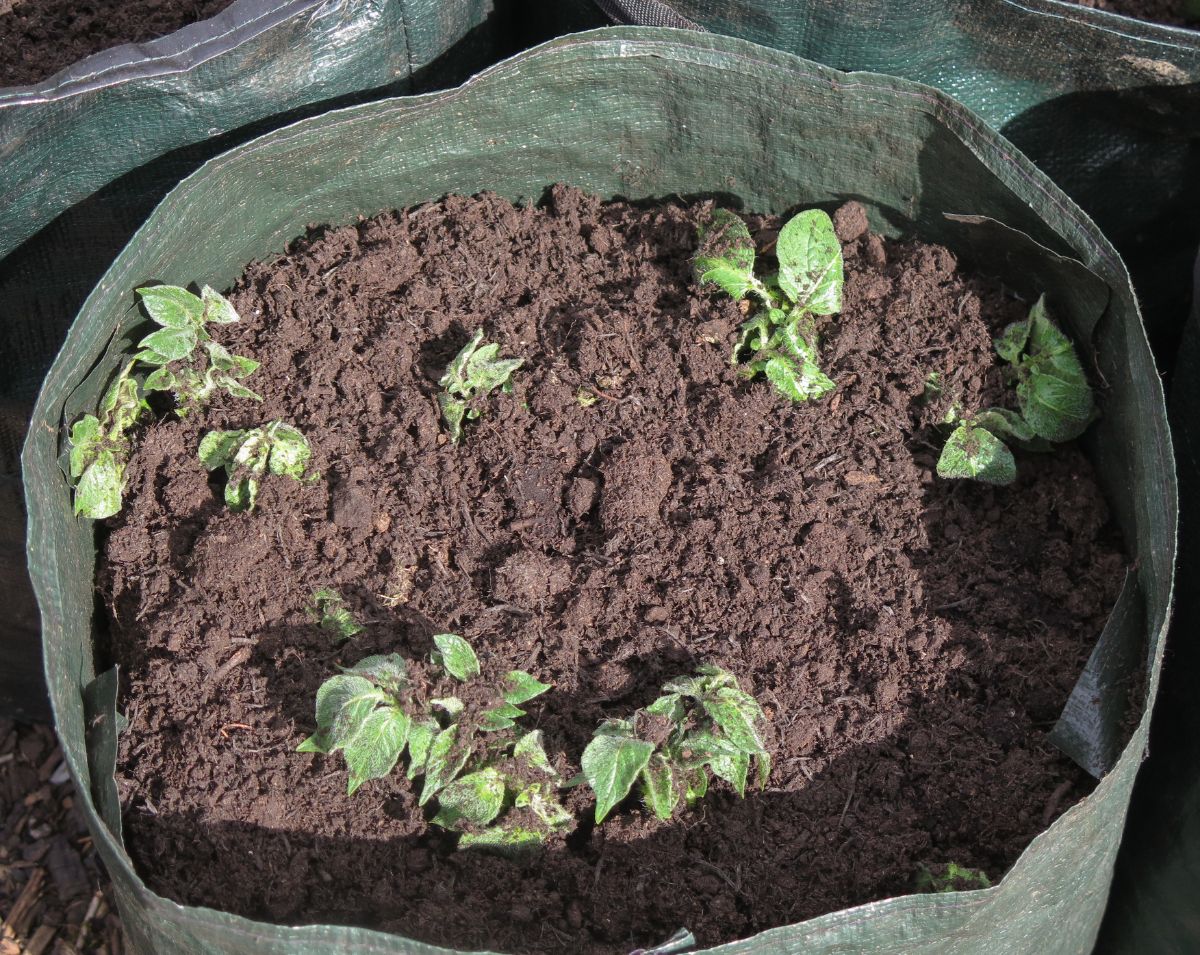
41	37
913	640
1170	12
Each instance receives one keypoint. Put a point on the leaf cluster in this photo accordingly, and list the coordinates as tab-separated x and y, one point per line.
329	610
951	877
475	372
100	448
172	350
248	454
1053	395
477	765
701	724
781	335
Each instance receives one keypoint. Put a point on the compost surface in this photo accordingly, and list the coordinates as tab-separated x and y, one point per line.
40	37
912	640
1170	12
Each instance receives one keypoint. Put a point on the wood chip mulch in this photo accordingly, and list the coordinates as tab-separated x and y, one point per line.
55	898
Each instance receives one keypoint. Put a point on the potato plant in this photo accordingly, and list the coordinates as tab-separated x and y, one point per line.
100	447
328	609
492	781
951	877
475	372
1052	393
248	454
701	724
780	336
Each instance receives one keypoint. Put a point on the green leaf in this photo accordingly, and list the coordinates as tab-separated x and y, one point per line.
454	379
500	717
658	785
236	389
440	768
475	371
86	437
122	405
515	843
317	743
543	804
521	687
98	493
726	255
1005	423
353	715
420	736
332	614
335	693
611	765
1057	404
800	382
217	308
241	495
670	706
451	705
974	453
735	713
172	306
173	344
699	746
531	750
696	784
217	448
810	263
756	333
453	411
764	768
477	797
1012	341
290	452
389	672
732	769
376	747
456	657
161	379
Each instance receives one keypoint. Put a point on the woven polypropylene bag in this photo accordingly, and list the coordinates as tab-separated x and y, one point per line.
86	154
651	113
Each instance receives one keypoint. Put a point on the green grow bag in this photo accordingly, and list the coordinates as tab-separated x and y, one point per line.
87	154
651	113
1108	106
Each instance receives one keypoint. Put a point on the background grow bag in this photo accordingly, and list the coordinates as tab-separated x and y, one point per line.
1108	106
645	113
87	154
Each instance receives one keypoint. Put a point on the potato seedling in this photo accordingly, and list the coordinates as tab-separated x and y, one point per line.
951	877
1053	396
100	448
247	455
172	350
701	724
781	335
474	761
475	372
330	612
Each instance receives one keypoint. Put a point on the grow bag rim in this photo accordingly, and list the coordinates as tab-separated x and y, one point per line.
176	52
623	43
1110	21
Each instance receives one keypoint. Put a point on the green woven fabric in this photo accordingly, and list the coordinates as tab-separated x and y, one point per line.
651	113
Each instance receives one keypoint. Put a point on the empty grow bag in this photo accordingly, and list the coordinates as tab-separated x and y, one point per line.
87	153
646	113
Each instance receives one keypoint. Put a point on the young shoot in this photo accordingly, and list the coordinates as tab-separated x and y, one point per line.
1053	396
701	724
488	779
780	337
172	350
100	448
475	372
330	612
951	877
247	455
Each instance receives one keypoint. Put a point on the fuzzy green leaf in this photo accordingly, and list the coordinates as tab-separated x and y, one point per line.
420	736
658	785
335	693
974	453
1005	423
86	438
477	797
172	306
173	344
810	263
443	762
541	801
799	382
98	493
236	389
732	769
1057	403
217	448
521	687
453	411
756	333
290	452
217	308
330	611
389	672
696	785
531	749
161	379
317	743
515	843
611	765
376	748
500	717
669	705
1012	341
726	255
456	657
